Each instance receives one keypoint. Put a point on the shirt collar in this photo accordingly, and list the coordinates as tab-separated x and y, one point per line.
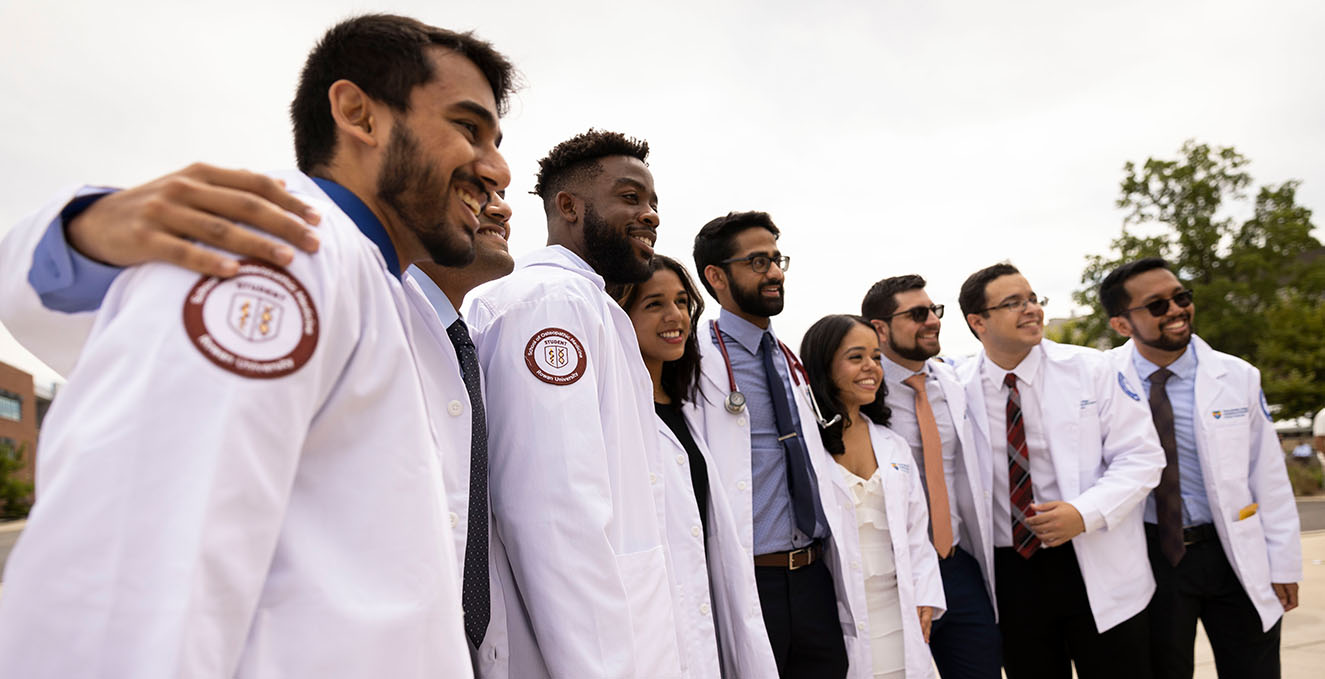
745	333
1027	371
557	255
895	372
363	217
1183	368
438	299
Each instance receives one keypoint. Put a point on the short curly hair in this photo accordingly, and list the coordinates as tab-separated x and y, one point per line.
576	159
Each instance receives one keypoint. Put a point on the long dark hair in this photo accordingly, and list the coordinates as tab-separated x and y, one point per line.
818	346
680	378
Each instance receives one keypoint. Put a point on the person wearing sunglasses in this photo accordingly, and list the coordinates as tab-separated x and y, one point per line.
1070	457
928	408
1222	526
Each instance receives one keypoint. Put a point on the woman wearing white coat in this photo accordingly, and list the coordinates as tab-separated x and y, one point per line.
720	625
873	468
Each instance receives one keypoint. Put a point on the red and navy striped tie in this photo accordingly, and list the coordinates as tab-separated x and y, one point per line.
1019	474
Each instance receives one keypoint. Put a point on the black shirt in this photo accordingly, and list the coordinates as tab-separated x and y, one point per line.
699	474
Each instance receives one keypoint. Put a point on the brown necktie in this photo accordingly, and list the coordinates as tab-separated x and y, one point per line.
940	521
1168	494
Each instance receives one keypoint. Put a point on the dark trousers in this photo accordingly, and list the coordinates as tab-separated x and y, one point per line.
1047	625
1203	585
800	612
965	642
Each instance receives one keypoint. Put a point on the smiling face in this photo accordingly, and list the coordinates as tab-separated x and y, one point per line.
856	370
661	316
1004	330
1168	333
620	220
441	162
758	295
908	339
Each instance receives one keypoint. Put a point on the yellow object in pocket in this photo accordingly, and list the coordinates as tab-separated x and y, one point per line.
1249	510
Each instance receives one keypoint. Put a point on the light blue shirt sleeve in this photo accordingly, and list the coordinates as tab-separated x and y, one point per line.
63	278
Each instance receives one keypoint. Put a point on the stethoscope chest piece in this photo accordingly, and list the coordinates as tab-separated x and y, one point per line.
735	403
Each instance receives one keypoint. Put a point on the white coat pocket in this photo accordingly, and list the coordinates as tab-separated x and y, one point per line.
1248	539
644	577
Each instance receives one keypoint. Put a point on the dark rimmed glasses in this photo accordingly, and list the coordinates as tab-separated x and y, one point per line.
760	262
1160	307
1019	305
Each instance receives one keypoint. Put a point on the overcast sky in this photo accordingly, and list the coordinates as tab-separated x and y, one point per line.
884	137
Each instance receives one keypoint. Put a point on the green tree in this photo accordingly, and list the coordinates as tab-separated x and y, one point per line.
1259	281
15	495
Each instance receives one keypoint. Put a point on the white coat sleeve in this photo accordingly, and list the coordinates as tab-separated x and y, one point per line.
924	560
1132	456
40	270
553	489
1270	488
163	481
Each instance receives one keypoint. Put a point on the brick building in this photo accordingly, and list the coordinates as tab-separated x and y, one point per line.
18	415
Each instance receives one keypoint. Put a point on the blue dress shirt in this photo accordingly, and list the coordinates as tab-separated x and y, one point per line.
1181	389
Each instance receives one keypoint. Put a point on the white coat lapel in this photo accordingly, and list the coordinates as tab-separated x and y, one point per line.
1061	405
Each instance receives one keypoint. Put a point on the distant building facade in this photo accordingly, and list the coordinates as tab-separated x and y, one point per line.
18	416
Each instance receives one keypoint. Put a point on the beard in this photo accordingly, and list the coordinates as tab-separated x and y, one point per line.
1169	343
751	302
420	198
611	252
911	353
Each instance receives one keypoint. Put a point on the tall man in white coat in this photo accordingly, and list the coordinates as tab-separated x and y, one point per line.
1222	525
1070	456
239	600
928	407
574	448
755	415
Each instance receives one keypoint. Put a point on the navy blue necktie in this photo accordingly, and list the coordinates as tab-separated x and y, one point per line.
474	596
804	489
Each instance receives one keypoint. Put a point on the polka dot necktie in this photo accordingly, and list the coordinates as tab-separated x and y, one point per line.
474	588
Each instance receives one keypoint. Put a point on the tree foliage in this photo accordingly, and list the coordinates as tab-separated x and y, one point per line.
1257	273
15	495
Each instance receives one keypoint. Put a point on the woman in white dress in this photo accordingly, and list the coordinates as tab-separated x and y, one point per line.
874	467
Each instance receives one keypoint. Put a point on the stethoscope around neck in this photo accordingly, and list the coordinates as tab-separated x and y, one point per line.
735	402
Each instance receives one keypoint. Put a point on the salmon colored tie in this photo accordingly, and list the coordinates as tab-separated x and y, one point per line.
940	521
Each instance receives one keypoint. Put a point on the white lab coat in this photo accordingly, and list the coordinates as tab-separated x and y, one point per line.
570	467
970	483
193	522
745	649
1106	458
728	437
918	579
1241	463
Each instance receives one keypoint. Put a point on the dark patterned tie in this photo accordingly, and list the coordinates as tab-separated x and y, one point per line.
474	588
1168	495
804	489
1019	473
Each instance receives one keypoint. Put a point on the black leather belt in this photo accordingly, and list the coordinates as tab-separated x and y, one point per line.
796	558
1200	533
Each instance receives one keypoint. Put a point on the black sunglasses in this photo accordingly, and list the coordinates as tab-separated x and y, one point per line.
920	314
1160	307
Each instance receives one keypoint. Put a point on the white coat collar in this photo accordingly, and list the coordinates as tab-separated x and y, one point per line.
559	256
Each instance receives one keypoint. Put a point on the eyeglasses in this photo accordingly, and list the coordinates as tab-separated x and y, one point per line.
760	262
1160	307
1019	305
920	314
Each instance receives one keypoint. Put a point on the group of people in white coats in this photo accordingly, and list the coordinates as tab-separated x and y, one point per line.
579	478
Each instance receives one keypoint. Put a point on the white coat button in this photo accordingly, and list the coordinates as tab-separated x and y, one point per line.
695	531
740	422
455	408
740	485
680	459
653	478
455	519
703	609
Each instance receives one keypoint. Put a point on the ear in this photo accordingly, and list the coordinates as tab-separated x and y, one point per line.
977	323
1121	326
567	206
353	112
716	277
881	329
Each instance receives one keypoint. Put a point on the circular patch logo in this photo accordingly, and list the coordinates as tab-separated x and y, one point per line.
260	323
555	356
